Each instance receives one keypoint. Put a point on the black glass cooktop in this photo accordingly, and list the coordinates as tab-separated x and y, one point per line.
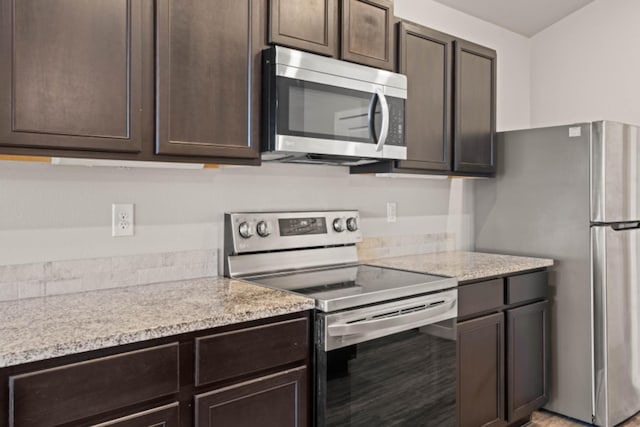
344	287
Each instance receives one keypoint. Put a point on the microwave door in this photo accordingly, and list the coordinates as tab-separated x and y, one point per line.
322	119
314	110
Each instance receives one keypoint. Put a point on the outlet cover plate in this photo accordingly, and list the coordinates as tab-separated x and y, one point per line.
122	220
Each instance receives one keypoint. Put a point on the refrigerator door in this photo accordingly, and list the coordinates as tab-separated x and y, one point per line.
616	280
615	172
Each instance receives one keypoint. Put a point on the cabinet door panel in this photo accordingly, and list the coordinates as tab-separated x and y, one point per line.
481	372
305	24
251	350
367	32
209	77
165	416
475	121
80	390
527	359
71	74
425	57
278	400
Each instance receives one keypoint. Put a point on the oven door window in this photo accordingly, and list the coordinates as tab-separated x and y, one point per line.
407	379
314	110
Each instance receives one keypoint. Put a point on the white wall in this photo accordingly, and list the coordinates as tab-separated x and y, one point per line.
587	66
513	54
63	212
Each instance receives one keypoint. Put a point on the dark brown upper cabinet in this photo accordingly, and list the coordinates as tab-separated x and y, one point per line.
208	77
77	79
450	107
425	56
71	75
365	29
367	32
310	25
475	109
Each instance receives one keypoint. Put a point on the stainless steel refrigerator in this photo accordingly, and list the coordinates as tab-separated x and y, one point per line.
572	193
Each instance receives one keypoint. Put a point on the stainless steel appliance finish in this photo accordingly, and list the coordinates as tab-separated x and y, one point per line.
355	326
385	339
322	110
571	193
345	286
314	253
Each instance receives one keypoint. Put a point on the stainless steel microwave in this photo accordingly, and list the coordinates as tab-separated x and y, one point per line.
322	110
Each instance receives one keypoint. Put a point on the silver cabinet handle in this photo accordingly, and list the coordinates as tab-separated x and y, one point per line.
373	325
384	130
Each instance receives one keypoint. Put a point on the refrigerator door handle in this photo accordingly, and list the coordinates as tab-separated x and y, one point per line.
626	226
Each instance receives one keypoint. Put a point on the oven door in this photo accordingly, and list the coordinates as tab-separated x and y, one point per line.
406	378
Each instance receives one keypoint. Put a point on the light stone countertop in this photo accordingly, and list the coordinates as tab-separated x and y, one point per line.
465	266
47	327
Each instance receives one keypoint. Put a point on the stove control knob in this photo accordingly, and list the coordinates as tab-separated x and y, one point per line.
263	229
338	225
245	230
352	224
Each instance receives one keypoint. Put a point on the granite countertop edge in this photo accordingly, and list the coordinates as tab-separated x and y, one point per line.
465	266
39	347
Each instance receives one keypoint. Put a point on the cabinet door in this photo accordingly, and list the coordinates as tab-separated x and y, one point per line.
425	56
527	359
71	75
165	416
208	77
481	372
475	109
278	400
305	24
367	32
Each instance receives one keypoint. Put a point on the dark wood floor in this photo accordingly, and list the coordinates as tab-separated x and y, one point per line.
547	419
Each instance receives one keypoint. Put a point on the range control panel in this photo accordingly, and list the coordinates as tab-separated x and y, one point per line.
269	231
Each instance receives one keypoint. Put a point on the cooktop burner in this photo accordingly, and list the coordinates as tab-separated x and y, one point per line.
343	287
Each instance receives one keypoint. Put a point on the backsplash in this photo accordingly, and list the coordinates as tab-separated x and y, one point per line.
63	277
392	246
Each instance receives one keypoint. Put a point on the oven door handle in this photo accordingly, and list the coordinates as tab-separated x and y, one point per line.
432	311
378	94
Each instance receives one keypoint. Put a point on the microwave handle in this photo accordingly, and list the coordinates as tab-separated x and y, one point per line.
384	130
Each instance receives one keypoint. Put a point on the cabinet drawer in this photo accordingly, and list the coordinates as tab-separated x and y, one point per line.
480	297
527	287
72	392
164	416
232	354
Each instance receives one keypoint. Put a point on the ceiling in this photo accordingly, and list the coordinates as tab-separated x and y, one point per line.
525	17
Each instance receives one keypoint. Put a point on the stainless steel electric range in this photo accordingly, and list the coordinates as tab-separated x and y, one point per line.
385	350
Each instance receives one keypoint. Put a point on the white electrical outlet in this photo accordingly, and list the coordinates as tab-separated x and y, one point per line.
122	220
392	211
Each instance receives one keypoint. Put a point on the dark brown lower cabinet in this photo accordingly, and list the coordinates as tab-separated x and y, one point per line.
175	381
481	392
270	401
527	356
164	416
503	350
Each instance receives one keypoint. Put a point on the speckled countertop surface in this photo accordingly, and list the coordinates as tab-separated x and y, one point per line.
465	266
42	328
